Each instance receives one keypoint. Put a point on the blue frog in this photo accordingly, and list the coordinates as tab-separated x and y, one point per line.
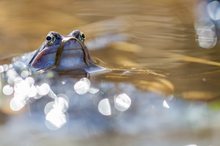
63	54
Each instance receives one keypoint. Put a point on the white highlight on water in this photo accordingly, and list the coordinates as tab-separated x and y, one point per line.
82	86
104	107
17	104
191	145
1	69
22	87
63	82
213	9
55	113
93	90
32	92
17	80
11	73
122	102
30	80
6	67
43	89
25	74
165	104
48	107
56	118
61	104
23	90
8	90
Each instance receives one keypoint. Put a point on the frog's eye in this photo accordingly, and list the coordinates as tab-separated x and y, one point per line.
50	39
79	35
83	36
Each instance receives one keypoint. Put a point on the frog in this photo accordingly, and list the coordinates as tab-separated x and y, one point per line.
63	54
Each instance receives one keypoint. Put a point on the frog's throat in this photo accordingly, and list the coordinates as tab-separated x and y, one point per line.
87	58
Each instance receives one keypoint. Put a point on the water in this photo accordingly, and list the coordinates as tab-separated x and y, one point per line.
153	50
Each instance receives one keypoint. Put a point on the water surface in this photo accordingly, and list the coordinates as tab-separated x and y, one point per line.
154	53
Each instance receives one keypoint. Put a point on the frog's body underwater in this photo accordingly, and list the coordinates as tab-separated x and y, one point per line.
63	54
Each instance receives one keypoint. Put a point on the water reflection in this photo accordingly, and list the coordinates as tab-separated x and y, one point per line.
205	24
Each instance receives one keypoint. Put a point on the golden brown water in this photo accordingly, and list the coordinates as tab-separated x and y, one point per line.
160	35
156	51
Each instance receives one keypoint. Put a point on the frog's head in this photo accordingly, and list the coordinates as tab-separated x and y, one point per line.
61	52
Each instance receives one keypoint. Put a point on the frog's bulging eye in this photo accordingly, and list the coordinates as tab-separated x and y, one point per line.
53	38
48	38
83	36
79	35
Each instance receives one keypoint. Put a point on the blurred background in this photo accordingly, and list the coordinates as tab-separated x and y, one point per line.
165	56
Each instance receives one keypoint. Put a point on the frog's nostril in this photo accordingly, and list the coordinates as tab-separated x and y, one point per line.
48	38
